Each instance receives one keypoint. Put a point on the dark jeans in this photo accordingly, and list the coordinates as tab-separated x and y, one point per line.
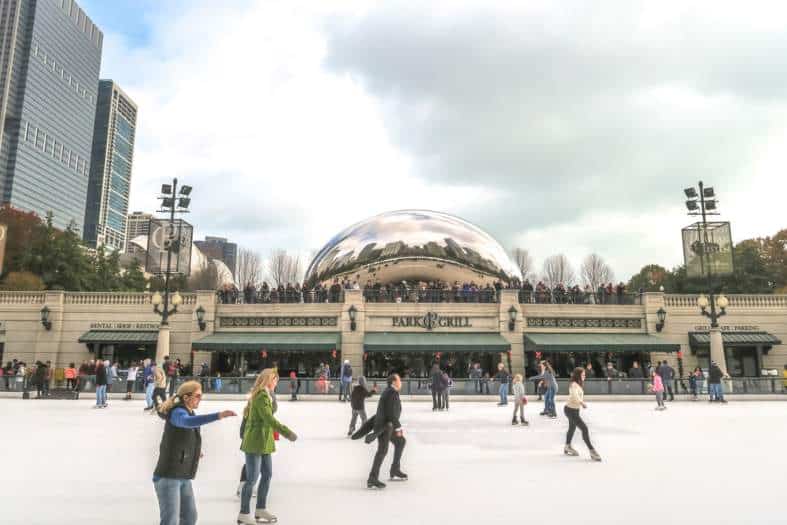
437	399
382	450
444	398
668	390
574	421
159	393
171	380
257	466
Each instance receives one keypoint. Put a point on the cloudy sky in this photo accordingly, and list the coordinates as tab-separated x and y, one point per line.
556	126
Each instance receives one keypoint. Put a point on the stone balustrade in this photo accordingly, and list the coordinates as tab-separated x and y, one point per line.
22	297
736	301
118	298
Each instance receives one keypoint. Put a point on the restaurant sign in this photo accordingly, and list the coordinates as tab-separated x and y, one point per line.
112	325
728	328
431	320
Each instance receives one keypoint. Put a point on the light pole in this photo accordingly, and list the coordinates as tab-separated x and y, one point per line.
703	203
172	202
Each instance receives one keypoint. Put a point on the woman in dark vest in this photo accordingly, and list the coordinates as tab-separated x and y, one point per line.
179	453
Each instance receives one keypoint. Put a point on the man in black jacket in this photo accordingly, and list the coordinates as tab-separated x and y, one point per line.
387	429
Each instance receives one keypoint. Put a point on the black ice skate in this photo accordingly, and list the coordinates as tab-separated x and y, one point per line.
515	421
398	475
375	484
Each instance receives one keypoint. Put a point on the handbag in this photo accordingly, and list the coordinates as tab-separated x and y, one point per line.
275	436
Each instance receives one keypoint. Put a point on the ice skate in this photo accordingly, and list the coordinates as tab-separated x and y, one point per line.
594	456
569	451
375	484
246	519
263	516
515	421
398	475
525	423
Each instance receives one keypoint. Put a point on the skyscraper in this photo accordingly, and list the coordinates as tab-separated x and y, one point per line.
219	248
50	55
110	168
137	223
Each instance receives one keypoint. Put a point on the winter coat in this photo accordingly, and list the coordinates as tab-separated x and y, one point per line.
159	378
260	426
437	380
714	375
101	375
519	391
476	373
389	408
347	374
658	385
358	397
40	376
636	373
503	376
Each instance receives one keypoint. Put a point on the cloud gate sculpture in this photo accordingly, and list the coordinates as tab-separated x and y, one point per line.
413	245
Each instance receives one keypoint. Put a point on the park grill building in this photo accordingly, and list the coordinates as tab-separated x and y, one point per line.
379	332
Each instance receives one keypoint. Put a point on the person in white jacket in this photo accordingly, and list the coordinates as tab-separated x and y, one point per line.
576	401
519	400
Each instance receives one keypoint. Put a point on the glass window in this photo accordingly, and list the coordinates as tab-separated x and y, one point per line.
30	134
72	161
66	154
40	138
123	147
49	145
119	184
120	165
115	220
124	128
117	202
58	150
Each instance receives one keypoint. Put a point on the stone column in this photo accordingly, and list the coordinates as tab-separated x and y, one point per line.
717	349
352	340
162	345
515	337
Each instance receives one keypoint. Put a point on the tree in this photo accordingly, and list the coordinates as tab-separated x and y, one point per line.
249	268
557	270
595	271
524	262
22	226
22	281
133	278
284	268
650	279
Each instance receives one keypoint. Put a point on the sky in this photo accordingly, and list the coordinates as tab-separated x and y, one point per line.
559	127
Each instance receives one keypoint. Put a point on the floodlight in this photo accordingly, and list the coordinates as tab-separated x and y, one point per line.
691	193
184	202
167	202
185	190
708	193
166	189
710	205
691	205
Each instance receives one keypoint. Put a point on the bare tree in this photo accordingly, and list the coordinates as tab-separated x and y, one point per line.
249	268
557	270
284	268
595	271
524	262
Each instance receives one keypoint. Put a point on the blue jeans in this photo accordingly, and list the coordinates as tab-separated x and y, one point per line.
715	391
101	394
149	395
549	401
176	501
504	393
257	466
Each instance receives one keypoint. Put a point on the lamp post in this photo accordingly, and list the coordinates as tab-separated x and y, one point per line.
703	203
512	318
172	202
352	312
661	315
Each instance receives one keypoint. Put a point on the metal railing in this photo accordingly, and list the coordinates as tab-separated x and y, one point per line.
427	295
578	297
277	297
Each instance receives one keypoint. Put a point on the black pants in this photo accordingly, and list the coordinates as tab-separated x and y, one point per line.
382	450
159	393
444	399
437	399
574	421
71	384
171	386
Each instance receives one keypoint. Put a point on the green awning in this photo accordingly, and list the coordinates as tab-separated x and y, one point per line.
118	337
555	342
702	339
434	342
257	341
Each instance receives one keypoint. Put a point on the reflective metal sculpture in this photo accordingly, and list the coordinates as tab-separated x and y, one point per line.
413	245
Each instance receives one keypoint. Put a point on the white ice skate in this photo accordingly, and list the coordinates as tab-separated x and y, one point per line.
263	516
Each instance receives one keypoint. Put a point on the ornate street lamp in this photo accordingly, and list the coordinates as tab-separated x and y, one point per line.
512	318
45	318
661	315
352	313
201	318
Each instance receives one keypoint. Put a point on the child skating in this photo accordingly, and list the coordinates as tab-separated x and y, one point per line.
519	400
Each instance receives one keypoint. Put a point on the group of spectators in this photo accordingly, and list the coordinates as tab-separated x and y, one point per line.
560	294
289	293
18	375
431	292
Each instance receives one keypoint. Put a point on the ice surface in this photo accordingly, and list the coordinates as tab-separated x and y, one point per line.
697	463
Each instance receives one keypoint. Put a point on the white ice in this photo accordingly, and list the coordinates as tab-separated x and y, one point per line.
63	463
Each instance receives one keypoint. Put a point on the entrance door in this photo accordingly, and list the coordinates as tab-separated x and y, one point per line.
742	361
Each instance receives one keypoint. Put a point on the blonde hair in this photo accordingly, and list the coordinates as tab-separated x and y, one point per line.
518	378
264	380
186	389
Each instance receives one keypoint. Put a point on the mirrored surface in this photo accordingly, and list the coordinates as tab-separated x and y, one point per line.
413	245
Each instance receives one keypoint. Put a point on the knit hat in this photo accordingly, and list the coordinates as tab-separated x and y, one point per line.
362	381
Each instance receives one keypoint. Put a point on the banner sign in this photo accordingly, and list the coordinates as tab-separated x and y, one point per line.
3	238
708	249
169	236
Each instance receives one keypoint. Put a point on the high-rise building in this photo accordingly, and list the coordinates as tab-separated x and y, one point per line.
137	223
219	248
110	168
50	56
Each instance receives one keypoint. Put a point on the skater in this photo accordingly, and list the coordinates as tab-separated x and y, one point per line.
346	381
39	378
258	445
667	374
295	386
715	389
436	376
131	378
179	454
101	385
657	387
695	383
445	387
274	408
71	377
575	402
160	389
519	400
148	379
476	374
358	403
503	377
387	429
547	378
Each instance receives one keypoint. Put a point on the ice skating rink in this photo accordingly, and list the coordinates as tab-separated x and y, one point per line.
695	463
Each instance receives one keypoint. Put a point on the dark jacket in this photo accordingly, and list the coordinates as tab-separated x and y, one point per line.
437	379
503	376
358	397
714	375
179	451
636	373
101	375
389	409
40	376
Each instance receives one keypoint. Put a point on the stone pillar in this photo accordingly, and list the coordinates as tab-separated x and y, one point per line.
515	337
717	349
162	345
352	340
47	342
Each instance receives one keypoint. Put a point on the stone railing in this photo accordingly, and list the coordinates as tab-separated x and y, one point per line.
118	298
736	301
22	297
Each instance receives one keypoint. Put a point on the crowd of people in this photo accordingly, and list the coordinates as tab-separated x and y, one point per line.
432	292
283	293
561	294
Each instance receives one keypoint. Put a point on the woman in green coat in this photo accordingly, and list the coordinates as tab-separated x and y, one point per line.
258	445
